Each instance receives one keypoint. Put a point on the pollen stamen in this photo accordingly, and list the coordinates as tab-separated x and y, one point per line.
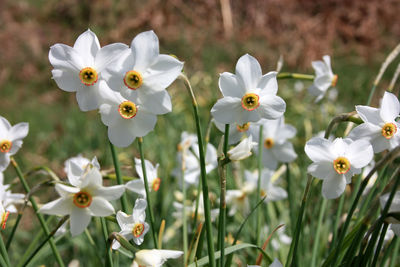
88	76
244	127
334	80
250	101
341	165
82	199
156	184
389	130
5	146
4	218
138	229
127	110
133	79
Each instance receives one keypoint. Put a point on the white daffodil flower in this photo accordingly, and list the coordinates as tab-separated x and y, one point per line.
336	162
86	197
188	150
276	147
324	78
248	96
153	179
154	257
380	126
394	207
133	226
269	188
76	166
7	198
238	132
238	200
79	68
10	140
190	210
242	150
126	119
141	72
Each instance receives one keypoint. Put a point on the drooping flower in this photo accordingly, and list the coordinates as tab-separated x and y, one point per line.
80	68
133	226
248	95
7	198
336	162
126	119
394	207
153	179
324	78
10	140
276	147
242	150
141	72
76	166
86	197
154	257
380	126
238	132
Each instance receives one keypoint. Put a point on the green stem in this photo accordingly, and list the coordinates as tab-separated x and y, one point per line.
222	200
380	243
10	238
291	259
146	187
39	216
2	261
260	168
318	232
4	251
109	261
290	198
337	219
124	202
206	201
184	219
298	76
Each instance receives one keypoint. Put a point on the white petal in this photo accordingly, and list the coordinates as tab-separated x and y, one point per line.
226	110
110	192
284	152
144	122
369	114
120	135
315	91
67	80
4	161
16	145
65	190
276	263
390	107
108	54
339	147
65	57
156	102
319	149
269	160
360	153
139	211
59	207
100	207
79	220
364	130
19	131
333	187
319	67
380	144
229	85
271	107
145	49
88	97
92	178
268	84
163	71
321	170
123	219
136	186
4	125
323	82
87	46
248	71
115	79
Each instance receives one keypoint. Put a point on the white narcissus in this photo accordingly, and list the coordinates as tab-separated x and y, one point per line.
248	95
10	140
324	78
238	132
269	189
380	126
126	119
336	162
394	207
80	68
141	72
153	179
276	147
133	226
242	150
8	199
154	257
86	197
76	166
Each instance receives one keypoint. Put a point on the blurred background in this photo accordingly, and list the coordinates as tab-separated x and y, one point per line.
209	36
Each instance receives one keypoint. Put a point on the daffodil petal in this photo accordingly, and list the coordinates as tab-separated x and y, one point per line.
87	45
79	220
101	207
333	187
67	80
146	50
390	107
59	207
248	71
230	86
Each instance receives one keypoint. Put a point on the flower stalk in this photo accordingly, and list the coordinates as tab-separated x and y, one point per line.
297	76
117	168
260	167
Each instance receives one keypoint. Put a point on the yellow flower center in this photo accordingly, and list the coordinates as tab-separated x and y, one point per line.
127	110
133	79
334	80
4	218
138	229
5	146
243	128
341	165
268	143
82	199
156	184
263	193
250	101
88	76
389	130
